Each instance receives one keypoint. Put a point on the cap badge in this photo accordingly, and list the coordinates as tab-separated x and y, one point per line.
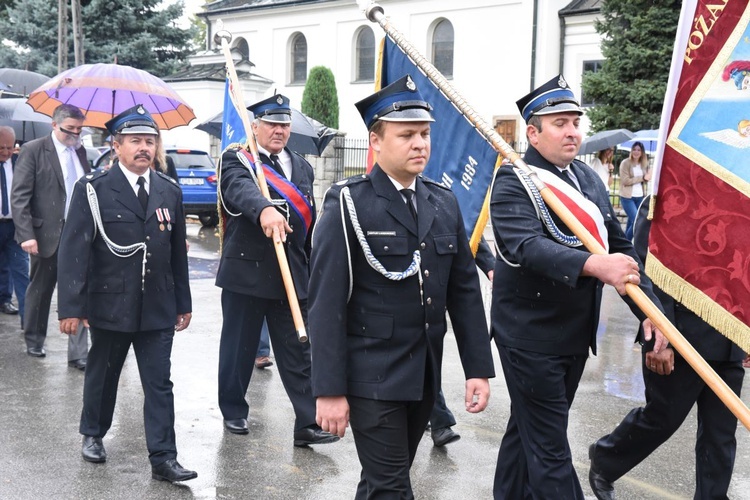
410	83
562	83
140	110
279	100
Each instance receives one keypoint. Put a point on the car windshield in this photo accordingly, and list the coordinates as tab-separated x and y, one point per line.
191	159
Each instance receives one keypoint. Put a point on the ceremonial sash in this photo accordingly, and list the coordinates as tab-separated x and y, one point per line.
585	211
289	192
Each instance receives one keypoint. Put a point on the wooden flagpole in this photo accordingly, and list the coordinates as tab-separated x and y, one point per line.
224	37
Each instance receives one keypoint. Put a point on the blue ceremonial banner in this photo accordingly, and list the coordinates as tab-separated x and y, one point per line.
232	129
461	157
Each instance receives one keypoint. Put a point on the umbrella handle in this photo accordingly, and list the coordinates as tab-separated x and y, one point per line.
223	37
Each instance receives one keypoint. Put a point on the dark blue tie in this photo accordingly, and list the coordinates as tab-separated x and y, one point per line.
4	185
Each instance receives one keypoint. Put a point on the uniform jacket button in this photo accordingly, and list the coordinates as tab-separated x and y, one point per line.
426	273
429	300
423	246
386	248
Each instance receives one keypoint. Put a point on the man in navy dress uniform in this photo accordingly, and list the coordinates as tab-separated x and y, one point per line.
546	296
383	275
249	272
128	280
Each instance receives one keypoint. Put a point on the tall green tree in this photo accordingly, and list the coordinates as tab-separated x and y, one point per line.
637	41
320	100
138	33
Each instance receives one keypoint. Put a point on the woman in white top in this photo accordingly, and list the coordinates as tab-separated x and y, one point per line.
634	177
602	165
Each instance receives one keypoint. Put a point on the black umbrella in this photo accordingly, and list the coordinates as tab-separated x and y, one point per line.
27	124
308	137
604	140
20	81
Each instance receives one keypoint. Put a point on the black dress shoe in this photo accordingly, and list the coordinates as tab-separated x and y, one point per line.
313	435
602	487
172	471
78	364
236	425
93	450
8	308
441	437
37	352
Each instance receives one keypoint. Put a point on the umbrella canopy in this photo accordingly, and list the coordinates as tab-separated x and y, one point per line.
604	140
105	90
25	122
649	139
21	82
308	136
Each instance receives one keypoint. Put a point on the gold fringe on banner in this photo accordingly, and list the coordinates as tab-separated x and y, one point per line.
476	235
698	302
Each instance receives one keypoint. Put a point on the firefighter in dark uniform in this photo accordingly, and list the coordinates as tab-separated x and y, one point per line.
386	265
249	272
128	279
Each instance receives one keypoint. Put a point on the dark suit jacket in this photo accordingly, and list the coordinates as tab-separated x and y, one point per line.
382	342
545	305
709	343
248	259
105	288
38	195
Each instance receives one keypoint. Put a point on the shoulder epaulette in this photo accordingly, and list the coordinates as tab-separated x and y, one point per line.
95	174
355	179
168	178
431	182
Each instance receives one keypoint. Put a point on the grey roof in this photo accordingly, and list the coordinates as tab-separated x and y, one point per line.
234	5
215	72
579	7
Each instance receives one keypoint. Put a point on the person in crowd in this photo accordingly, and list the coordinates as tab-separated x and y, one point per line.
43	180
602	165
546	295
672	389
442	419
249	273
14	262
634	177
126	275
390	256
263	357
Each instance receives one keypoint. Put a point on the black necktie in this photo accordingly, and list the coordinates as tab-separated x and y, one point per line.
409	195
142	194
276	165
567	176
4	185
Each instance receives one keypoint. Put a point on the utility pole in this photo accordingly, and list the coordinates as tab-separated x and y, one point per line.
62	35
77	31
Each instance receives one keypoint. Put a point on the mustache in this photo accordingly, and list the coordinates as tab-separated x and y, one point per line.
143	155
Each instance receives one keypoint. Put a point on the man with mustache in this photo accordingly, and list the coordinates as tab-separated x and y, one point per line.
43	180
547	293
126	275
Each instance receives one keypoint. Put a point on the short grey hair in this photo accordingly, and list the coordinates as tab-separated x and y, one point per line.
5	129
65	111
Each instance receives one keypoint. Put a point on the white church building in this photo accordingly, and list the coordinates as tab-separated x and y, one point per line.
492	51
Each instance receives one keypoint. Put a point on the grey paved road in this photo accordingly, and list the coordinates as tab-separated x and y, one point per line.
41	404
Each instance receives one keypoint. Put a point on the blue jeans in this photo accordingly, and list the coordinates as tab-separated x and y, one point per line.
264	348
630	205
14	267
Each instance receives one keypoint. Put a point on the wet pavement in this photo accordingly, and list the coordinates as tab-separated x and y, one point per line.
41	404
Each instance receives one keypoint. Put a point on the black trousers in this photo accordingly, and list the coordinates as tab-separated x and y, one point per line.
240	336
441	415
387	434
534	460
153	350
42	282
669	400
